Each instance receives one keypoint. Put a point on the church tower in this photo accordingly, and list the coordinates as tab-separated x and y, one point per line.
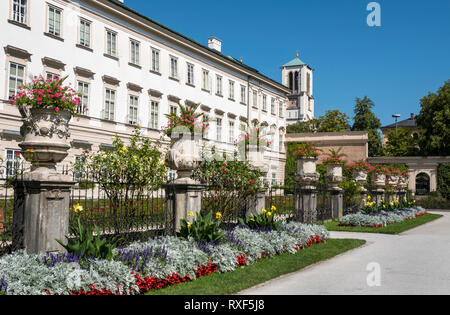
298	77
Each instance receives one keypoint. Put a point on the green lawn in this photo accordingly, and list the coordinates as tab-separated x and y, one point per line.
262	271
395	228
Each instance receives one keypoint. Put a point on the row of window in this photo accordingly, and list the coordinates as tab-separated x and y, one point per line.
19	15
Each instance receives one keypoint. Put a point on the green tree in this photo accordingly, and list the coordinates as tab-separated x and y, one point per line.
334	121
309	126
434	122
400	143
365	120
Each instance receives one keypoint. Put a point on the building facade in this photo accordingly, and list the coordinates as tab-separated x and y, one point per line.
130	71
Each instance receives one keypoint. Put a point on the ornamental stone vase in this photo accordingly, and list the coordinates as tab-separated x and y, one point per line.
185	157
334	175
392	179
378	180
306	170
45	143
360	176
42	196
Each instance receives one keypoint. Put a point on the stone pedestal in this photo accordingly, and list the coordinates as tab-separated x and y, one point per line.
257	203
180	200
337	203
306	204
41	214
378	195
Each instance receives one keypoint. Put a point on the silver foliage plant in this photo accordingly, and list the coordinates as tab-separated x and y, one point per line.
382	218
29	274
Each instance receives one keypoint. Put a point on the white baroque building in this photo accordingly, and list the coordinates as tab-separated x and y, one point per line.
131	71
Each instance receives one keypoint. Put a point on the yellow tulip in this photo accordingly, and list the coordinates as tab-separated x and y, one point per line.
189	225
191	214
269	214
218	215
274	208
77	208
264	211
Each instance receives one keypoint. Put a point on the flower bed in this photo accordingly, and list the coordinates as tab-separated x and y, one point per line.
381	218
155	264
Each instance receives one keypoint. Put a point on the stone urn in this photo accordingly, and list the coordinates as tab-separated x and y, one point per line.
334	175
403	183
378	180
306	170
45	140
392	179
185	157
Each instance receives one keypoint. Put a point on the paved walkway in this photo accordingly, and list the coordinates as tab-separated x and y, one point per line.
415	262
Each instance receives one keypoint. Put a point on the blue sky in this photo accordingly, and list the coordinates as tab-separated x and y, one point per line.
395	65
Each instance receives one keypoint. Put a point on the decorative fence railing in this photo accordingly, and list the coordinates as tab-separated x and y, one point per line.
283	199
6	214
126	214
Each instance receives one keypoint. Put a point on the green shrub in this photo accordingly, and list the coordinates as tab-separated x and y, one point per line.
444	180
204	228
434	202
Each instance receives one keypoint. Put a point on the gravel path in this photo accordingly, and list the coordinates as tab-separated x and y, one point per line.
415	262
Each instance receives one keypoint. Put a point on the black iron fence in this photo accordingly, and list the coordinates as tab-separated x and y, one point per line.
282	197
6	214
119	210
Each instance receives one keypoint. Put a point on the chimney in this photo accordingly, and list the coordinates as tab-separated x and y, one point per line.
215	43
412	116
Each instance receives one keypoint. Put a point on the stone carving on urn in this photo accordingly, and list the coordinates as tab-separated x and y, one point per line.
360	177
185	157
45	139
306	170
334	176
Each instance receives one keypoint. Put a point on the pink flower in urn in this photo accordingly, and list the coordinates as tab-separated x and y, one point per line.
57	109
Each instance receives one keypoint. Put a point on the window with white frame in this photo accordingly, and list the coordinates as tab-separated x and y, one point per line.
80	170
111	43
133	109
205	80
173	67
155	60
255	99
219	129
20	11
281	113
274	179
264	103
54	21
190	74
231	85
16	78
219	85
154	115
85	33
281	142
52	76
231	132
243	94
134	52
83	91
173	109
205	121
110	102
272	106
13	162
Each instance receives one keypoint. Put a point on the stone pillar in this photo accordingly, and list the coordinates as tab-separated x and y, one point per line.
184	195
180	200
378	183
41	214
334	177
257	203
306	193
360	177
42	196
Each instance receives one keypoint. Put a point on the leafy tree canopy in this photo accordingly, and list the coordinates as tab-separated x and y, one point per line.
434	122
332	121
401	143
